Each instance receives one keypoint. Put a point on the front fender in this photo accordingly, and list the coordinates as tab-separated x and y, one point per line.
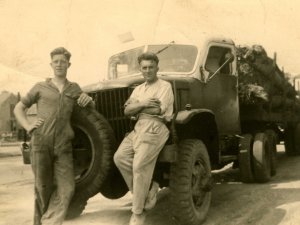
199	124
183	117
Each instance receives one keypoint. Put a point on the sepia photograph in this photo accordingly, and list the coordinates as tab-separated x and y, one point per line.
161	112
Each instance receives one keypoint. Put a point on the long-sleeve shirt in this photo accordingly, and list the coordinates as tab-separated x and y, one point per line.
161	90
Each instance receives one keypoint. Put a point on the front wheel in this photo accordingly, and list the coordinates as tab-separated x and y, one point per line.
190	183
93	148
114	186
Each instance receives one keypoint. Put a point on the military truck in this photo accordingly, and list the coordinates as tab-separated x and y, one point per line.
211	127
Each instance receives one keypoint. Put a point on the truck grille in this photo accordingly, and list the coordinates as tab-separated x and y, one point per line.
110	103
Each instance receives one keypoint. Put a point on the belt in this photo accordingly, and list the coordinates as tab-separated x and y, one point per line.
151	117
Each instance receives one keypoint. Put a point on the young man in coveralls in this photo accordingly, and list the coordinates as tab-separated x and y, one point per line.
51	156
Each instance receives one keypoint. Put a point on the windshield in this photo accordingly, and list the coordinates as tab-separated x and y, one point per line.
172	59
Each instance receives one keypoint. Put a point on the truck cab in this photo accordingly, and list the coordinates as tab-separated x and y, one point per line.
204	80
199	85
210	128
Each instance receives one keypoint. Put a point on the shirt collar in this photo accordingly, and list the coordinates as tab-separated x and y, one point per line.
145	84
50	83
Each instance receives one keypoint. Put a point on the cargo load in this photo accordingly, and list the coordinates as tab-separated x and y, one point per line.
261	81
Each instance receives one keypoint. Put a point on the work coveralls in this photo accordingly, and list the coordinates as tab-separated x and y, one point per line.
138	152
51	157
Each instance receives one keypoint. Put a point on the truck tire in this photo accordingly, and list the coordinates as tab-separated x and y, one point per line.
272	136
261	158
297	139
76	207
190	183
245	158
114	186
289	140
93	149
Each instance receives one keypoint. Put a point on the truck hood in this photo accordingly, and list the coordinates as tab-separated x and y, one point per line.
112	84
129	82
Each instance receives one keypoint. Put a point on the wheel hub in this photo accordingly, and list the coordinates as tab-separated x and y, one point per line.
199	182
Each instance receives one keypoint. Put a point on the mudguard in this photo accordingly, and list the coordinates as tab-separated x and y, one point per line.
199	124
183	117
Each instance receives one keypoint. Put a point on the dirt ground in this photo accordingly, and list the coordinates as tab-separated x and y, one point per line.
233	203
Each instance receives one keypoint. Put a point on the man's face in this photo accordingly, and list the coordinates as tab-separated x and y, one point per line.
149	70
60	65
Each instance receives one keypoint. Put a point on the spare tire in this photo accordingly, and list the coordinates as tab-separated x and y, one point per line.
93	149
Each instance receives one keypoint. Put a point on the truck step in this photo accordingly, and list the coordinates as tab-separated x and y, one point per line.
228	158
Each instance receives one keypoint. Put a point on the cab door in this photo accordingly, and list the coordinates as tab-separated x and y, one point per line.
220	87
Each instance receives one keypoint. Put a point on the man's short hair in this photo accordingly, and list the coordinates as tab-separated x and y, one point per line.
148	56
61	51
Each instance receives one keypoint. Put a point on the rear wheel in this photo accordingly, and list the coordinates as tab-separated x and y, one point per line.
190	183
297	139
261	158
93	148
272	136
245	158
289	140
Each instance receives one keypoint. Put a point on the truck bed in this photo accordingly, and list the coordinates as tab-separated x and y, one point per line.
264	113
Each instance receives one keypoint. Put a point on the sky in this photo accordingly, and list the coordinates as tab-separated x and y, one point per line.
90	30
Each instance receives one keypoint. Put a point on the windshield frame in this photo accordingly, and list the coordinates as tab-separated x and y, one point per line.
145	49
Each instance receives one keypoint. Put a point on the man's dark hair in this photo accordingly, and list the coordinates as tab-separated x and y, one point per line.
148	56
61	51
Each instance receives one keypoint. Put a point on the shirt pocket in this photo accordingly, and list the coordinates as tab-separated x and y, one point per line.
69	101
151	134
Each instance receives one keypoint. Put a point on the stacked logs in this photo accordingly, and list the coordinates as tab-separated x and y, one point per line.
260	79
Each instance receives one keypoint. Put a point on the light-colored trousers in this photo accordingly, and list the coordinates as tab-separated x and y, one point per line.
136	158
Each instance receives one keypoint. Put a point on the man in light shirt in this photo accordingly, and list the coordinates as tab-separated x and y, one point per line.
152	103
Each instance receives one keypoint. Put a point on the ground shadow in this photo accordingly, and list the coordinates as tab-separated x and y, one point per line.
233	202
